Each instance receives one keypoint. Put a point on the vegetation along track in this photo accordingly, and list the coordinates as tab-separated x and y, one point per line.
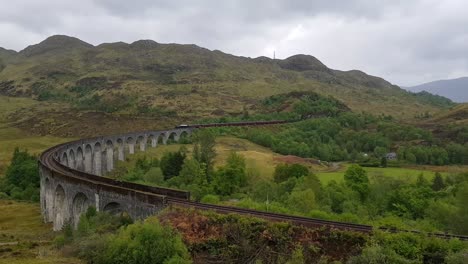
51	161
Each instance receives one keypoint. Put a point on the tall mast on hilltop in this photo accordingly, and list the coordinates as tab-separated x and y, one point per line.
274	54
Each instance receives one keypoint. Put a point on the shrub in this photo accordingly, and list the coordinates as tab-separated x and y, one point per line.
22	177
457	258
285	171
378	255
147	242
59	241
210	198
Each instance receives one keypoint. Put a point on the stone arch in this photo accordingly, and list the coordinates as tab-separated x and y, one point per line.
97	168
71	158
79	165
88	158
109	155
184	136
120	149
152	141
161	139
80	205
173	136
141	142
113	208
60	207
131	145
64	159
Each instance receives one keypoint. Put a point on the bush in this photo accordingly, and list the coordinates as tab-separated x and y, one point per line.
59	241
22	177
378	255
3	196
285	171
210	198
147	242
457	258
154	175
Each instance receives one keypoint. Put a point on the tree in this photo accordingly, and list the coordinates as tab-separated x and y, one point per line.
409	201
22	177
171	163
380	152
229	178
147	242
356	178
421	181
203	150
302	200
192	172
438	182
285	171
461	221
383	162
154	175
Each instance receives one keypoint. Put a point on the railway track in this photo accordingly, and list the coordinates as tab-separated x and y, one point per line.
177	198
303	221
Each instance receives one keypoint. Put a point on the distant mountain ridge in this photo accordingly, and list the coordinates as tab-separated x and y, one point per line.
180	77
454	89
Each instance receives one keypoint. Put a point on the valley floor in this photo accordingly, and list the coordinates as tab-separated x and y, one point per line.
262	162
24	238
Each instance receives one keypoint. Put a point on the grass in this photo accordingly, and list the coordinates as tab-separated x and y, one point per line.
405	174
11	137
22	222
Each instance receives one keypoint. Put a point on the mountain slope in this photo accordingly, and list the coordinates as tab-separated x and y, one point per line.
456	115
455	89
146	77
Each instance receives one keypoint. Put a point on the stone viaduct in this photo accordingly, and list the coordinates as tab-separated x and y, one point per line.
71	177
71	180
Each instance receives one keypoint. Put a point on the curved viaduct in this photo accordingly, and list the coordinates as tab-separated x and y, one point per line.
70	177
71	181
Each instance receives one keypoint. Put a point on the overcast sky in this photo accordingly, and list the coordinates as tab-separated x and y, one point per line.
406	42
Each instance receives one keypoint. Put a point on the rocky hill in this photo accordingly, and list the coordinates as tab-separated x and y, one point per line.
146	77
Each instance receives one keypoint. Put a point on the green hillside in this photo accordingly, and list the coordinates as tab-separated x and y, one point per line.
186	81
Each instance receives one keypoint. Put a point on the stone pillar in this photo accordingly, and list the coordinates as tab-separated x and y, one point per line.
97	166
109	159
154	142
88	161
61	208
42	194
121	152
71	161
96	197
131	148
143	145
79	161
64	159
